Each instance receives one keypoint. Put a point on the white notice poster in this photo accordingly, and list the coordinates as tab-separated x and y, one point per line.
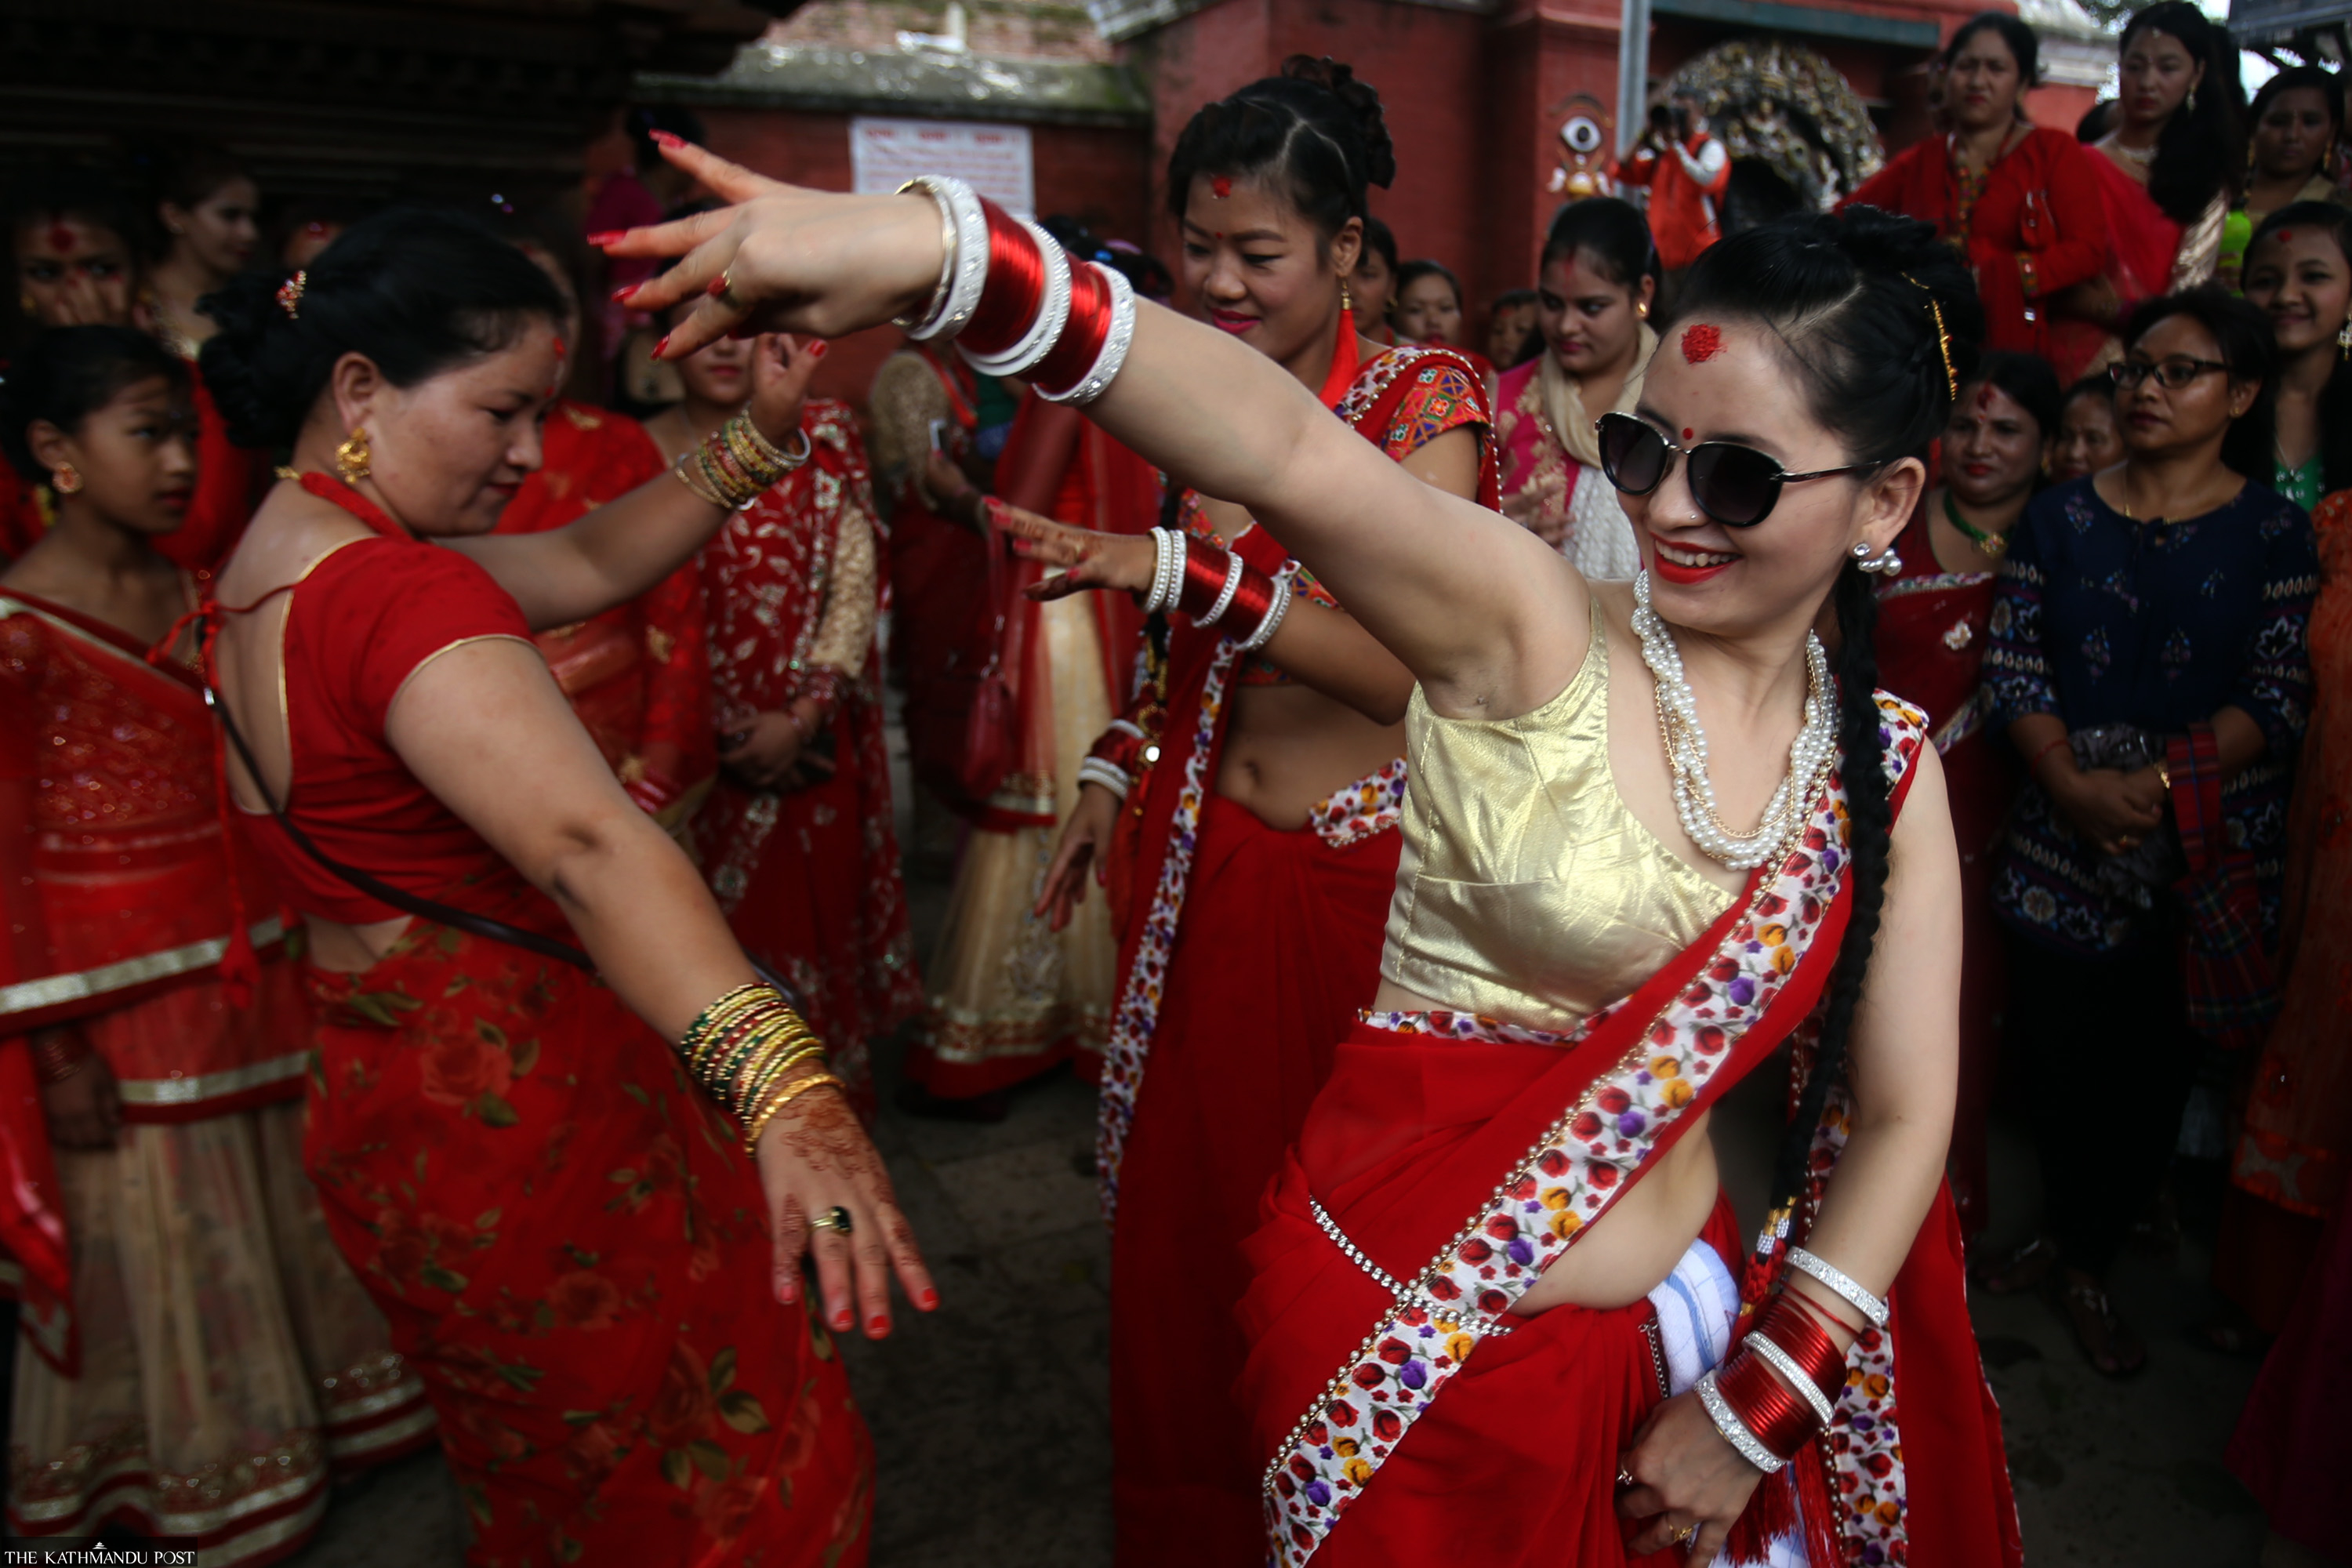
886	153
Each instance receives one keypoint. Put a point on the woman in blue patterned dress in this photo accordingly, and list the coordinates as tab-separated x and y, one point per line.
2147	656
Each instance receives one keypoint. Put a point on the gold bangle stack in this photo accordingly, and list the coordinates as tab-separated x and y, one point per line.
749	1051
735	464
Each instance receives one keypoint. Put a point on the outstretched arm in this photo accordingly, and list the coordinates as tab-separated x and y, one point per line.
1486	618
626	546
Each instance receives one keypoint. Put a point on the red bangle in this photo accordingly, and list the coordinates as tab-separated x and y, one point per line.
1827	1319
2033	763
1784	1322
1015	291
1205	570
1075	351
1251	602
1767	1406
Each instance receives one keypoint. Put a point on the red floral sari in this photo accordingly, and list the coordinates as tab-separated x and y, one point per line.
203	1364
637	674
1464	1156
1930	643
809	877
568	1239
1246	950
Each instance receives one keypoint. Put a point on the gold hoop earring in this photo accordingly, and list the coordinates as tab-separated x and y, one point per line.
66	480
1347	301
351	456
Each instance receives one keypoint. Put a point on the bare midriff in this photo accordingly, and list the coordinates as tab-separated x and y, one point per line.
1629	1251
1289	747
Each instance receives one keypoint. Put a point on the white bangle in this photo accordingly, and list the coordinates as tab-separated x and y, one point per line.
1781	1362
1735	1431
963	273
1167	570
1110	774
1120	338
1234	569
1274	614
1130	727
1868	1305
1045	330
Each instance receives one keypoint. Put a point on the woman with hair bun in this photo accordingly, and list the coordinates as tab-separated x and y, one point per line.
1598	282
596	1273
2166	175
196	1360
2021	202
1649	838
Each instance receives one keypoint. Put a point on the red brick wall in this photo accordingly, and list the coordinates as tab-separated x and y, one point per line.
1096	173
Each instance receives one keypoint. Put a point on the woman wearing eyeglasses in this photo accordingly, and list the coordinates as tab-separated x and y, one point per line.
2148	661
1647	833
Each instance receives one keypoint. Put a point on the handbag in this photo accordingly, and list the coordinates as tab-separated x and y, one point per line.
970	736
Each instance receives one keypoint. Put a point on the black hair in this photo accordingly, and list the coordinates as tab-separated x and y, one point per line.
1380	239
94	196
2326	83
2096	121
1147	272
1613	232
63	374
2028	380
2024	45
2336	398
1512	299
1315	128
2201	149
2098	384
415	290
1869	309
2242	336
188	173
1414	271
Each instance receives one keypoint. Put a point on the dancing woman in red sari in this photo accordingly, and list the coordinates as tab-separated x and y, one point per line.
197	1366
1258	850
1498	1199
597	1276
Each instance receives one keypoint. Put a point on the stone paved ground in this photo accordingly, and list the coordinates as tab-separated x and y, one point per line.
991	1423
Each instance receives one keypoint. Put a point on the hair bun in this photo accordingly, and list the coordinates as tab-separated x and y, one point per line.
1362	101
238	361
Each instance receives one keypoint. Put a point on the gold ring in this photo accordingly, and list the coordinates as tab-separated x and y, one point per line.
724	291
1687	1531
833	1219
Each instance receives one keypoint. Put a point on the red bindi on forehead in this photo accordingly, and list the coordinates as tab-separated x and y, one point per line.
1984	397
1701	343
61	236
1221	186
1688	432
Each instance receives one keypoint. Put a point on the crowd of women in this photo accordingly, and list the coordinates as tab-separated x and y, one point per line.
447	848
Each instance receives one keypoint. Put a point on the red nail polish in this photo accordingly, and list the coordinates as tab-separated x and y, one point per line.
718	286
818	350
625	290
671	139
930	1298
877	1325
661	345
842	1321
609	236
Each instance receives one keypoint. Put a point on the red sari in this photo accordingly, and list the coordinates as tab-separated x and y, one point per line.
1246	950
1930	642
1466	1156
809	877
568	1239
204	1363
637	674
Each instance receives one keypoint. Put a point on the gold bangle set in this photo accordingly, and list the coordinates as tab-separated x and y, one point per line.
747	1049
735	464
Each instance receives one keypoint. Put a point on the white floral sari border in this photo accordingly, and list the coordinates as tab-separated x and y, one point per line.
1564	1184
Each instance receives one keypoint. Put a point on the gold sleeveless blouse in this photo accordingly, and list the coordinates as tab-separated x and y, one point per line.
1526	890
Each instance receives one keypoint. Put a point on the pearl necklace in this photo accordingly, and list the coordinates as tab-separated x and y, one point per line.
1686	743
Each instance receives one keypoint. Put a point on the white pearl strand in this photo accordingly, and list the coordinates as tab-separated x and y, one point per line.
1686	746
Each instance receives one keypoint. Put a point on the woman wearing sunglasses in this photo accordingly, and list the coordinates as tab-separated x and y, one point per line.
1646	834
2148	662
1931	645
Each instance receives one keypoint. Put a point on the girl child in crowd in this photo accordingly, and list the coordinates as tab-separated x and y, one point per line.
1598	279
1562	1000
196	1358
2287	1171
2089	439
2148	662
1257	852
1371	289
1933	611
796	836
626	1367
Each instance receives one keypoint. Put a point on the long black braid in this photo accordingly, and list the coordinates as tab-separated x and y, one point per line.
1878	321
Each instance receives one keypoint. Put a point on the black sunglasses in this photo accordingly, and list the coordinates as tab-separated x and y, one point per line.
1736	486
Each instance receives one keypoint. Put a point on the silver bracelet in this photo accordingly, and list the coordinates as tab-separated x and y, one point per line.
1045	330
963	272
1735	1431
1868	1305
1120	338
1781	1362
1168	573
1274	614
1234	569
1110	774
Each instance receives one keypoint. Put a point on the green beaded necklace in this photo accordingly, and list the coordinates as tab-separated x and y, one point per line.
1993	544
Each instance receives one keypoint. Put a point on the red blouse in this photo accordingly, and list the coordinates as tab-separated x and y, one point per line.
358	625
